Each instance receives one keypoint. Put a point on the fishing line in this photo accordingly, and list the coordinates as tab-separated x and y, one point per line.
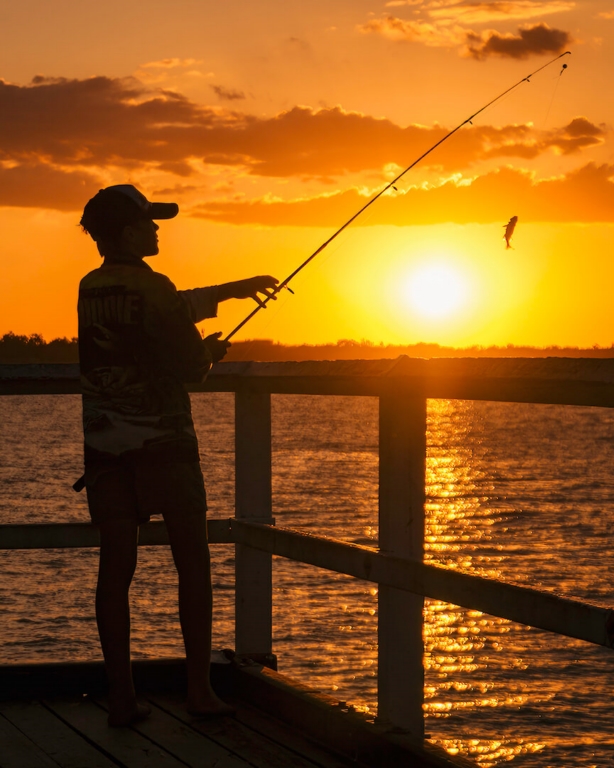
556	85
391	184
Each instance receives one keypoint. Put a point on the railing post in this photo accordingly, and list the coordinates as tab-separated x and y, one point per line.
402	454
253	503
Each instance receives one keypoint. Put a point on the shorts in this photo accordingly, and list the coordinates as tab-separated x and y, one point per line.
139	484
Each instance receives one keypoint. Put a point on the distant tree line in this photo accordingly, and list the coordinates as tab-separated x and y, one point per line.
16	348
347	349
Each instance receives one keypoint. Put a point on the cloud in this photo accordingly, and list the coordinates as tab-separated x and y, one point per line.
174	191
100	121
227	94
177	167
331	142
393	3
433	35
484	11
495	10
577	135
444	24
41	186
171	63
530	41
170	70
585	195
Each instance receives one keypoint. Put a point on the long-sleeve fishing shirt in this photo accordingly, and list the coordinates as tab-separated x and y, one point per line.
138	347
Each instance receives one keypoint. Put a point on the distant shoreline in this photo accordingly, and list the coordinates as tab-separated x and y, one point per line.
16	348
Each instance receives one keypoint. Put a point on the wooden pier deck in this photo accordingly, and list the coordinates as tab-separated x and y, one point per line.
71	732
55	716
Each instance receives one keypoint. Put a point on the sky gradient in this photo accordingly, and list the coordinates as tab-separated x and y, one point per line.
271	125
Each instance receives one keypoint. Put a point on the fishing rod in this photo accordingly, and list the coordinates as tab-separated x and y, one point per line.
284	283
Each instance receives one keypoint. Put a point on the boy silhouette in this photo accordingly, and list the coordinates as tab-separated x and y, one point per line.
138	347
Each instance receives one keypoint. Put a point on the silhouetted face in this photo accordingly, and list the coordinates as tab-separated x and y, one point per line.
140	239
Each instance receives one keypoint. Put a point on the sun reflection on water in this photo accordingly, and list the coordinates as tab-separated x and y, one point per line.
458	641
489	752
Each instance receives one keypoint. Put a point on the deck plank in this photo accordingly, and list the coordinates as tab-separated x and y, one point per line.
289	737
54	737
124	745
183	742
229	732
18	751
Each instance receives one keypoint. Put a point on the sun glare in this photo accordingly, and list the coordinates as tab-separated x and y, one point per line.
436	290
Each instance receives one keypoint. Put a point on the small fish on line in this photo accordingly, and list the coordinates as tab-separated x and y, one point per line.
509	231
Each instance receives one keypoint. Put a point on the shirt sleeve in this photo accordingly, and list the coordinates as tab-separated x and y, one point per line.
177	341
201	303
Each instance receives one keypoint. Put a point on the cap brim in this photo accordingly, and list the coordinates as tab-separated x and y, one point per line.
163	210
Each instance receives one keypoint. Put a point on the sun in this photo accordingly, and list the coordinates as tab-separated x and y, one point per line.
436	291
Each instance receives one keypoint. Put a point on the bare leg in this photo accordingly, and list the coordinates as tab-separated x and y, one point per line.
118	547
188	538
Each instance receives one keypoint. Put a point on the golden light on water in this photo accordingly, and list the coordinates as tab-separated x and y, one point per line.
459	642
493	750
481	695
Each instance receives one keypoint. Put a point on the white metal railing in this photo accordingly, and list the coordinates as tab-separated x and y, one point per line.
402	387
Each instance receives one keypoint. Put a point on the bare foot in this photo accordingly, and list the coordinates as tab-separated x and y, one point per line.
120	717
210	705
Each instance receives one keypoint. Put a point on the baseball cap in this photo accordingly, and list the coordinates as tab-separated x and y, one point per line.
115	207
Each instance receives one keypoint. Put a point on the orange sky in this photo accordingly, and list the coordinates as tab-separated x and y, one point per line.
270	126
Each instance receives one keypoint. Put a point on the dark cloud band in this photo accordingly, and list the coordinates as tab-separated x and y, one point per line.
104	122
530	41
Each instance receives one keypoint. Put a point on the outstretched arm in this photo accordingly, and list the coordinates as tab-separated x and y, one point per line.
249	289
